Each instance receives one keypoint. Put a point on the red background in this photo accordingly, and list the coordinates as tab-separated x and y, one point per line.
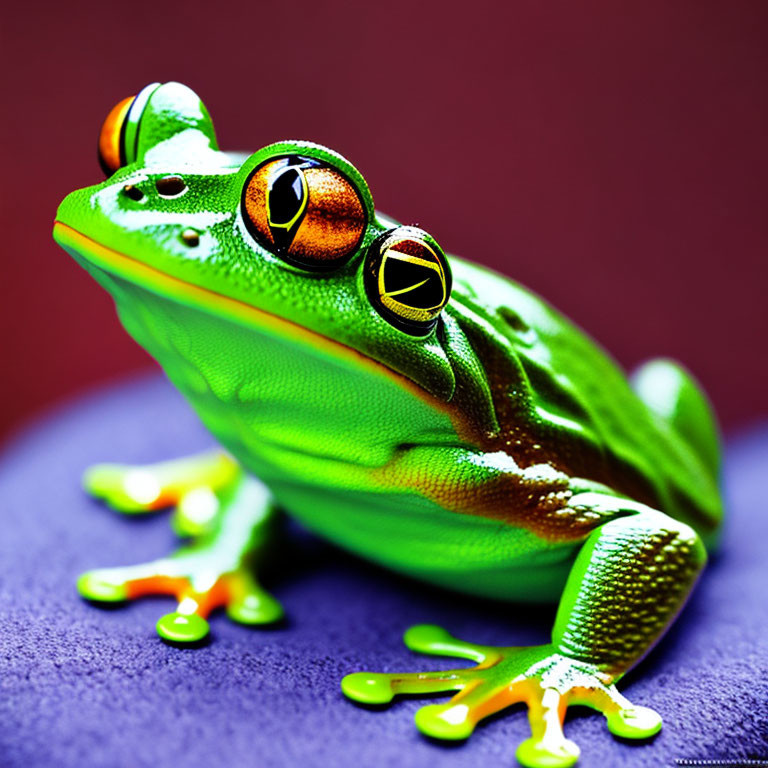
611	156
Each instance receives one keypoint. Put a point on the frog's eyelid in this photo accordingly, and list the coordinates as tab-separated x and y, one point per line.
129	138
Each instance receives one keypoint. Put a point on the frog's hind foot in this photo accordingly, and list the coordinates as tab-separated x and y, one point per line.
546	681
228	516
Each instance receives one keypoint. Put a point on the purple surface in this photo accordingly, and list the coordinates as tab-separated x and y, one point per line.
82	686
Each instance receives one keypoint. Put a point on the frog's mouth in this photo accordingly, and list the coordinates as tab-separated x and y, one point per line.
294	385
84	248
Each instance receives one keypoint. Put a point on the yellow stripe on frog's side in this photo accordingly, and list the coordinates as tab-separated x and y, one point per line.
246	314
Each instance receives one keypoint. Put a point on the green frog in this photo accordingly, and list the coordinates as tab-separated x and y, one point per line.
416	409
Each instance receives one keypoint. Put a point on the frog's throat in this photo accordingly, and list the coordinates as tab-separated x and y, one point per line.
188	294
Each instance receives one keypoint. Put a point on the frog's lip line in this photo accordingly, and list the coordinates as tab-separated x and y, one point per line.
172	287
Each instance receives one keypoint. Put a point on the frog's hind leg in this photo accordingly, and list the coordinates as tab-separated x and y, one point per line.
627	583
228	517
672	393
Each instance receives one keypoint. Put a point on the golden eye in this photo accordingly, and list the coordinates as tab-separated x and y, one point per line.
117	139
109	139
408	279
306	212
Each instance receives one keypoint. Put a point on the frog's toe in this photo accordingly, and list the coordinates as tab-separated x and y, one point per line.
623	718
445	721
126	489
634	722
572	683
199	585
425	638
535	753
381	687
191	483
104	585
547	747
431	639
182	628
250	603
216	570
368	688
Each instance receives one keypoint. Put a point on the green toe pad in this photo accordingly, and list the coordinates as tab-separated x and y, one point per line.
95	585
445	721
535	753
426	638
256	609
634	722
367	688
181	628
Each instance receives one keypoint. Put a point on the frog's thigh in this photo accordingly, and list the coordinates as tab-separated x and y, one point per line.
627	584
672	393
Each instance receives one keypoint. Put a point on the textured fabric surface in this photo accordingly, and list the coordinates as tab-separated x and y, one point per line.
84	686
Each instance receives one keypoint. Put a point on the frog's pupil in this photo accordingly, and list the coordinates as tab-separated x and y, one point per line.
286	196
413	284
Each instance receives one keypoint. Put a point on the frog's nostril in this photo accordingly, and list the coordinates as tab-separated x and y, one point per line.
170	186
190	237
132	192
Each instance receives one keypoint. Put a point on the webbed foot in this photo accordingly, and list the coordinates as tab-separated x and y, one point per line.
545	680
227	516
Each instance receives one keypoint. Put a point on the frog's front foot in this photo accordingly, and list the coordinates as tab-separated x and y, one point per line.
545	680
226	514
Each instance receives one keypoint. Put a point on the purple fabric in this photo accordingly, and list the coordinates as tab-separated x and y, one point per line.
83	686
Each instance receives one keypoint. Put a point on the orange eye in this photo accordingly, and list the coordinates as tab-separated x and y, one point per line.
306	212
119	132
110	145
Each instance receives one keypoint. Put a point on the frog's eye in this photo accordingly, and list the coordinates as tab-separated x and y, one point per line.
305	211
408	279
119	132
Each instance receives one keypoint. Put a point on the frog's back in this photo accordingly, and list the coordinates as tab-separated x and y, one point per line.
559	398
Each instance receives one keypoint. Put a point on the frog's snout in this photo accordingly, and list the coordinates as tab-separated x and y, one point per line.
67	212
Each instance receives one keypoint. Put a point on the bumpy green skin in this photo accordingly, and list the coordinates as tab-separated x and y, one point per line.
504	454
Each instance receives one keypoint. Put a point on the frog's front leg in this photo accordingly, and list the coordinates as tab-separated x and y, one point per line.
628	581
228	517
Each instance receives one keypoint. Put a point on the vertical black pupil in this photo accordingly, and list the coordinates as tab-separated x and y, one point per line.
286	195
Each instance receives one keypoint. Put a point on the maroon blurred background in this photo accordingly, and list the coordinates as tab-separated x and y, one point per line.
611	156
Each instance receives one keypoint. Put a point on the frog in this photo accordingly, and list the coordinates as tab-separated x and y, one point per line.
416	409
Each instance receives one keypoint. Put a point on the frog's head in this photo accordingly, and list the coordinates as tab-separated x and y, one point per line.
207	253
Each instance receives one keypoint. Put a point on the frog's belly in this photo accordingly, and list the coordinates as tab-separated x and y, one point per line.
334	494
395	527
413	535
